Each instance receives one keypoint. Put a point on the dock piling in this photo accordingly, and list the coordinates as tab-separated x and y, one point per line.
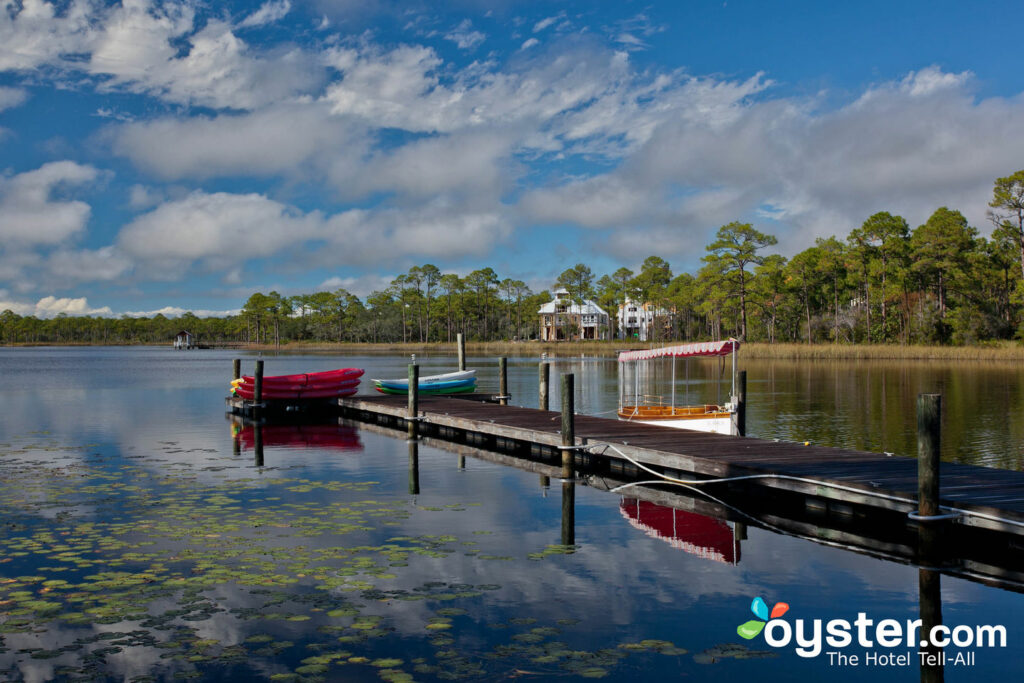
257	391
544	370
929	413
414	398
568	422
503	381
236	367
741	404
460	342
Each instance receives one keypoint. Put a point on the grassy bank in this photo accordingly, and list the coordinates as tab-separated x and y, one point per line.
1002	351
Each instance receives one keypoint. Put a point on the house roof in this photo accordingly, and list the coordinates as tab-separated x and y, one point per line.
588	308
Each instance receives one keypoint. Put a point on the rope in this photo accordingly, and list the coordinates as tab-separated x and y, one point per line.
954	512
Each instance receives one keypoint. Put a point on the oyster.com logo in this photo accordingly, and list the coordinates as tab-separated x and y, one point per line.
751	629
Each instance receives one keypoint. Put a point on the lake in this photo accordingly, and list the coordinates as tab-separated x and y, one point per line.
143	542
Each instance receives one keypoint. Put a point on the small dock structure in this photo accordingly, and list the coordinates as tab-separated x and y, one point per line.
185	340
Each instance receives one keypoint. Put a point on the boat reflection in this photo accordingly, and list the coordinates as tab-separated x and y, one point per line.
331	437
705	537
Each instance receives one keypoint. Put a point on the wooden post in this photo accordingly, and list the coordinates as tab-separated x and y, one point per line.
462	462
257	391
741	404
236	367
460	342
545	373
503	381
414	398
545	481
568	422
929	414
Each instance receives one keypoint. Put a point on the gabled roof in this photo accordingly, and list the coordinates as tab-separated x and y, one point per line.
588	308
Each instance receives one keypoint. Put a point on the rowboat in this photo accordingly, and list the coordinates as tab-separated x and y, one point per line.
661	410
425	382
460	382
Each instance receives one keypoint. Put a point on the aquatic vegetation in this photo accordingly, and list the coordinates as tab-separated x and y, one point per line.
109	560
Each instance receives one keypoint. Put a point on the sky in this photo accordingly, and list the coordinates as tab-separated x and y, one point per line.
181	155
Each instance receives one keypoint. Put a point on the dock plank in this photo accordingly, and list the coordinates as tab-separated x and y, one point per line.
860	474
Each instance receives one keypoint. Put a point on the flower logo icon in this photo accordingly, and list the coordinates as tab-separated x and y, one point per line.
753	627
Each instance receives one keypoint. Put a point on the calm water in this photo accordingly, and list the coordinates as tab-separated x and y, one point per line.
138	545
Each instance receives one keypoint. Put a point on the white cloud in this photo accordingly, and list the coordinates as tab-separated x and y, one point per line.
51	307
215	229
218	231
546	22
464	36
11	97
275	140
142	197
88	265
361	286
528	43
135	46
177	311
474	162
268	13
31	214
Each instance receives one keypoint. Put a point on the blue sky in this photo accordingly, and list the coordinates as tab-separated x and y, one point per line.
171	156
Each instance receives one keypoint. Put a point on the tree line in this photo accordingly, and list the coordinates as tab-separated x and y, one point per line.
938	283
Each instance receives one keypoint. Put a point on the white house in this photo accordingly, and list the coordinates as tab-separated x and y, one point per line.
637	321
563	319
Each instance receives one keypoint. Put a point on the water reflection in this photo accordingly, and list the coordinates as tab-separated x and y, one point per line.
705	537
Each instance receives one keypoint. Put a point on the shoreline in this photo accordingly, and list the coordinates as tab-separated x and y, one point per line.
1004	351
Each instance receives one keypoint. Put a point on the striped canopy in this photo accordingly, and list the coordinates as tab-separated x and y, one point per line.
719	348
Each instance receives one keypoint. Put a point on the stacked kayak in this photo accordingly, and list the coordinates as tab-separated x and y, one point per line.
329	384
448	383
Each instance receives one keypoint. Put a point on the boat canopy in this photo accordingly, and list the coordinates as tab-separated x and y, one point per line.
719	348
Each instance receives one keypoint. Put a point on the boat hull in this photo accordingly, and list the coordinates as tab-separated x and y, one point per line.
428	390
713	419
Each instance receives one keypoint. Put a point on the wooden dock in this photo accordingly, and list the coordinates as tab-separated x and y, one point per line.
983	497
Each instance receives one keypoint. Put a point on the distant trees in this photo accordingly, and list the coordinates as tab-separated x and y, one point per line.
883	282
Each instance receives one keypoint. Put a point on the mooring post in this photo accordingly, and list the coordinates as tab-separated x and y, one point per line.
545	373
257	390
929	426
503	381
460	342
414	398
236	368
568	422
741	404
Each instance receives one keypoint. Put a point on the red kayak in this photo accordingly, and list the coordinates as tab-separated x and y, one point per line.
248	392
329	377
273	386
